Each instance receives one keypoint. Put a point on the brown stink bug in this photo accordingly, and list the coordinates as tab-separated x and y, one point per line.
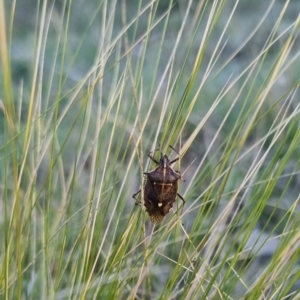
161	187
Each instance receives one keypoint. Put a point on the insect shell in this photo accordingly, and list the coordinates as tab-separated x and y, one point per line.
161	188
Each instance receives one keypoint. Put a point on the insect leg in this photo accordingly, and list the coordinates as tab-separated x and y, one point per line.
137	202
183	202
135	194
182	199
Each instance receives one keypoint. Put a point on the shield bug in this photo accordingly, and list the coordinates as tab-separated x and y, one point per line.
161	188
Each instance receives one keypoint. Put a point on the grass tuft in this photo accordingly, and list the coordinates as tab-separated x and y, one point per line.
88	89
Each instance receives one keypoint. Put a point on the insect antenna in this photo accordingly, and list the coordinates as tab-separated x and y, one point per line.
174	149
177	158
151	157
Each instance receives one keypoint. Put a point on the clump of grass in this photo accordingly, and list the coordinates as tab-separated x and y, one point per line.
100	86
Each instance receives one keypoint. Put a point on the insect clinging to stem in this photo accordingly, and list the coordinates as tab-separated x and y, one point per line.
161	188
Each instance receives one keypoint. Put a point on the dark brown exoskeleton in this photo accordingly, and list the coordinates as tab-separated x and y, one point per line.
161	188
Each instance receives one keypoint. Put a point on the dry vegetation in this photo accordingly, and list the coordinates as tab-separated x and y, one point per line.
88	88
